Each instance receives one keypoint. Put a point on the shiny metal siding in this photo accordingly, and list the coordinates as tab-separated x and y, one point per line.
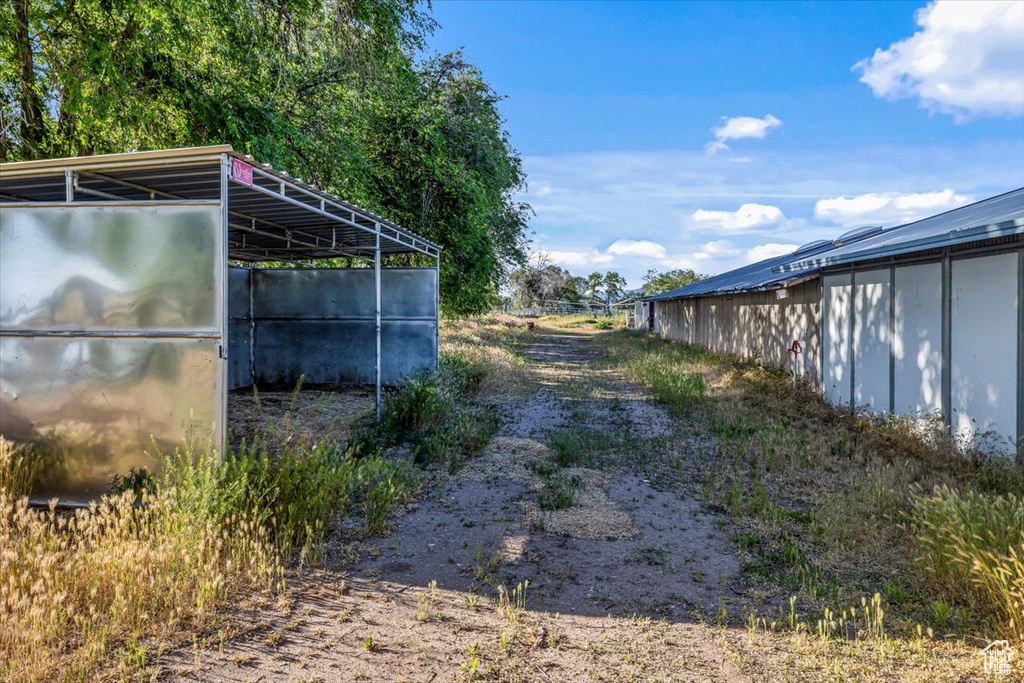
110	334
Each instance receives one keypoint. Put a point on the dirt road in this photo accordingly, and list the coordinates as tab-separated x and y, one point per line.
620	575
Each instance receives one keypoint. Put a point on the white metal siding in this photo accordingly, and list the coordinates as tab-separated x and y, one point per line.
984	340
871	339
917	339
835	297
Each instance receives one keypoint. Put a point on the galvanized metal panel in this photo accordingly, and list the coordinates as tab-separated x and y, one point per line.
110	333
312	294
340	351
836	295
408	293
983	344
871	339
320	324
753	325
93	405
330	294
917	339
239	329
92	268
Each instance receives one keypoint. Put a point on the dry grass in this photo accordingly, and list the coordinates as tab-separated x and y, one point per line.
117	575
492	342
828	503
17	470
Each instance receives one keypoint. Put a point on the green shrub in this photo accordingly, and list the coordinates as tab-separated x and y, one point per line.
972	546
139	481
558	491
418	404
458	376
581	447
435	415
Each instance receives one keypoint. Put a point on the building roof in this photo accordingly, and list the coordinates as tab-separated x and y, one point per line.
999	216
996	217
760	276
272	216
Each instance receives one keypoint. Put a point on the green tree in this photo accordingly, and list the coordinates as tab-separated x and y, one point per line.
329	90
592	286
614	286
655	282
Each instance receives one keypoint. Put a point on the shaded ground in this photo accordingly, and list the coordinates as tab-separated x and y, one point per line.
621	583
309	414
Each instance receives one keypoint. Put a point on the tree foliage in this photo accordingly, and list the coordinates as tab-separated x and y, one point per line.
541	281
329	90
655	282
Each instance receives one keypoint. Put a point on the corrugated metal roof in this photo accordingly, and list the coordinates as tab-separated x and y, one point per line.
991	218
273	216
755	277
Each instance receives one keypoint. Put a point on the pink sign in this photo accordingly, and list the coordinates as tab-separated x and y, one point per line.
241	171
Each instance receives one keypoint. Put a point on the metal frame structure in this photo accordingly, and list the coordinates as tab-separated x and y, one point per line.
266	215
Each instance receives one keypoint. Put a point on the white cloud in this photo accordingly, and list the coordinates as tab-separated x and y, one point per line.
887	208
770	250
739	127
601	197
568	259
639	248
746	218
966	60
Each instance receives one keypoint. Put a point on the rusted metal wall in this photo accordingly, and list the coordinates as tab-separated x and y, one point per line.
111	322
752	325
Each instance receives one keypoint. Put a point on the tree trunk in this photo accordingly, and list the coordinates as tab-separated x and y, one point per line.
32	124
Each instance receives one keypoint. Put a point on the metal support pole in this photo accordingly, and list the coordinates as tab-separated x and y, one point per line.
437	314
892	339
1020	355
69	185
221	428
947	341
851	353
377	357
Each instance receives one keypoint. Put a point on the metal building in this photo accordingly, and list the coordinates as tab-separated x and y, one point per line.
921	318
128	307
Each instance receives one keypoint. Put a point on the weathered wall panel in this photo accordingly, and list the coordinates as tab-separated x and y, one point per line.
871	339
110	330
983	346
753	325
239	328
836	298
320	324
917	339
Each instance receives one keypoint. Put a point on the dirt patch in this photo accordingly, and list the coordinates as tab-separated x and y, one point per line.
309	414
617	585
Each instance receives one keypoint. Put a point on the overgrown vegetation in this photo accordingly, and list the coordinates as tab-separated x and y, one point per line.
157	558
828	503
432	416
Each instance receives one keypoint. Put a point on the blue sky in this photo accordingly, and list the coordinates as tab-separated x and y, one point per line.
707	135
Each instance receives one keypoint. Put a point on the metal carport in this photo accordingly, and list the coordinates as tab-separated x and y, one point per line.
118	305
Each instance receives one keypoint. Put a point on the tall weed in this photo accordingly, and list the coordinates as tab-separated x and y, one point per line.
972	546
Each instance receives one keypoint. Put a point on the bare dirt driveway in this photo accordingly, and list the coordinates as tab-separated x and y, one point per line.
560	553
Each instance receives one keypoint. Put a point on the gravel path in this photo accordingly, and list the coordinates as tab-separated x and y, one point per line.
620	584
